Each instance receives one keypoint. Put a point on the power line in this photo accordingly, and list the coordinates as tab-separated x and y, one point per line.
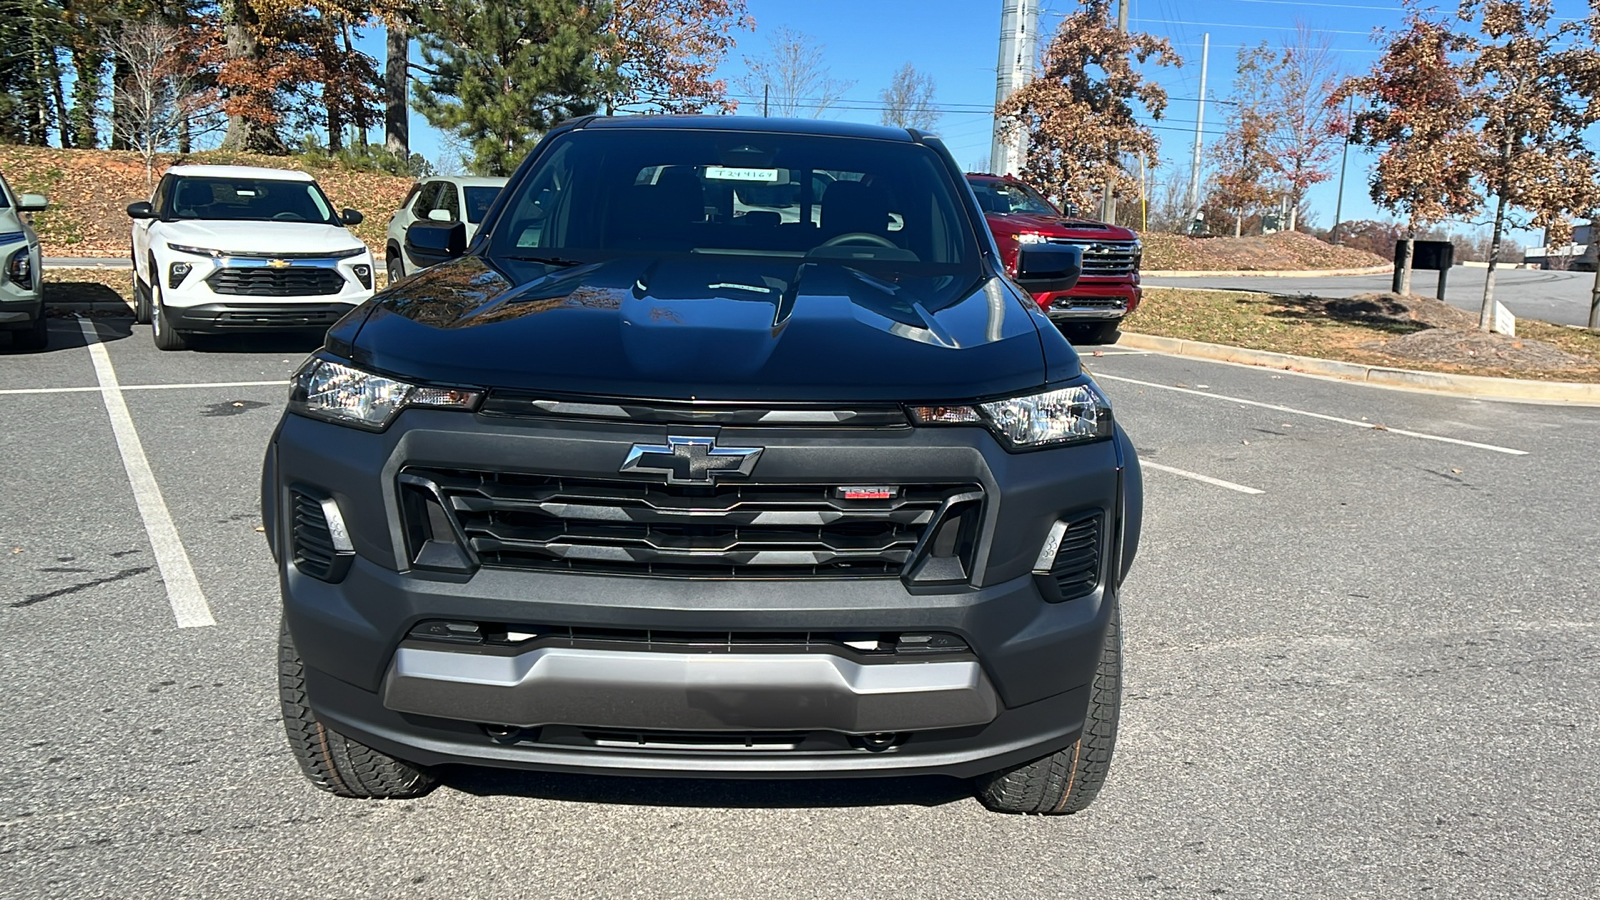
1261	27
1393	9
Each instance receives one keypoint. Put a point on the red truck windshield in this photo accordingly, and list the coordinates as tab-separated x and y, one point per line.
1007	197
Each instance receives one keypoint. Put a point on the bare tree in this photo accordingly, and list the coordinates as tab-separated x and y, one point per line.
1246	168
162	96
908	100
1307	130
792	79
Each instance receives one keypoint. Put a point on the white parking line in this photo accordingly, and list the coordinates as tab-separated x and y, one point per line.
1313	415
1147	464
183	589
146	387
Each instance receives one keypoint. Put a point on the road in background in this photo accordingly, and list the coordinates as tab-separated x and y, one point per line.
1560	297
1374	677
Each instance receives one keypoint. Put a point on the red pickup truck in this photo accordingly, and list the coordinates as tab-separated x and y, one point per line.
1109	288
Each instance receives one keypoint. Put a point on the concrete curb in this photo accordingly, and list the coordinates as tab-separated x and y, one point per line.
1576	393
1265	273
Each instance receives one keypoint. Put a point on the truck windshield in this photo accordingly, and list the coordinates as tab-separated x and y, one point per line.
249	200
596	194
1007	197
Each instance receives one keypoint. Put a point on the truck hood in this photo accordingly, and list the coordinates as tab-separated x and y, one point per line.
1068	226
711	330
259	237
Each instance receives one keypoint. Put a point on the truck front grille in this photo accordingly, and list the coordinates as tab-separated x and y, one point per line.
689	531
1106	258
263	281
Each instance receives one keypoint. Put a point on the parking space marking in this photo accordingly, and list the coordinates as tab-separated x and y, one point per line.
146	387
1372	426
1147	464
183	588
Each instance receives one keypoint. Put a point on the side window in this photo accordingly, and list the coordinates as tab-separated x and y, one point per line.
449	200
159	199
424	201
538	218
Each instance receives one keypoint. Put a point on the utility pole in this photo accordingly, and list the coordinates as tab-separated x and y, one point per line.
1019	27
766	97
1108	204
1338	205
1199	122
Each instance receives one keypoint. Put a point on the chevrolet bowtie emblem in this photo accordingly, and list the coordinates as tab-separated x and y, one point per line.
279	263
691	460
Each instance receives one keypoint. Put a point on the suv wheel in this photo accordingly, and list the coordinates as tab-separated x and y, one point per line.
167	337
395	268
37	337
141	300
1068	780
330	760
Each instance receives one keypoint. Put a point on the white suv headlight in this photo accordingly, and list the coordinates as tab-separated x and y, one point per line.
342	394
1069	415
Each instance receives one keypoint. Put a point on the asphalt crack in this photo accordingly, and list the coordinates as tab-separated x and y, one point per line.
51	595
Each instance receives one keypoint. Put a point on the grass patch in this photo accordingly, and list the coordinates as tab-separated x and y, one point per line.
1357	330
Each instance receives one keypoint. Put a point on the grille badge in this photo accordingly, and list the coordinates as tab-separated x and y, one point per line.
691	460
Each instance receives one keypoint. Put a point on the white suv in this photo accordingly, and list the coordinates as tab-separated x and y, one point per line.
21	294
238	248
455	198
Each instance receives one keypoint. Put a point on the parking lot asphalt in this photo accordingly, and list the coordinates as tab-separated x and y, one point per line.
1361	651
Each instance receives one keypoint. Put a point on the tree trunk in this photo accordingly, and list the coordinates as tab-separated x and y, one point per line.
1594	302
244	132
1238	224
1408	252
184	141
89	68
1294	211
121	72
1486	315
59	95
396	117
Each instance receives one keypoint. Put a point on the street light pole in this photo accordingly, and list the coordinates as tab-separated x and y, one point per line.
1338	205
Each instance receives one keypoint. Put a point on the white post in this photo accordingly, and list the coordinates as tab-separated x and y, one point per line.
1019	24
1199	120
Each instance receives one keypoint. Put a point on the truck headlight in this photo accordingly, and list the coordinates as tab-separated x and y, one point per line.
1068	415
344	395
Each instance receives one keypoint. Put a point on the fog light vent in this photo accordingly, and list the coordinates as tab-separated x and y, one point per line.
1069	563
321	544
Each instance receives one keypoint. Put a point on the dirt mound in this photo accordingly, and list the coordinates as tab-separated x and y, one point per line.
89	191
1397	308
1458	346
1284	250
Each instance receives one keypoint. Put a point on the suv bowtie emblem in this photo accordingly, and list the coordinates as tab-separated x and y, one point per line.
691	460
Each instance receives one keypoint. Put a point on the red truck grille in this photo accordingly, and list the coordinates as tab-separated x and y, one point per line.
1104	258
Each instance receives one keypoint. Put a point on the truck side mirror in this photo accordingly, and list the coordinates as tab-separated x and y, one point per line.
432	243
1046	268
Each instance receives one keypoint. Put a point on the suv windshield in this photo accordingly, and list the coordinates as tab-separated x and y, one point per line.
885	206
1007	197
249	199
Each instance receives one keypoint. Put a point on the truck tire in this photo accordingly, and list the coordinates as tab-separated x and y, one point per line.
166	337
1098	333
330	760
1068	780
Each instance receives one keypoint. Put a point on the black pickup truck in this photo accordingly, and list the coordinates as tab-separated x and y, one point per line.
726	449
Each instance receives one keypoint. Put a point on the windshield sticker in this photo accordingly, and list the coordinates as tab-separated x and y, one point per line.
729	173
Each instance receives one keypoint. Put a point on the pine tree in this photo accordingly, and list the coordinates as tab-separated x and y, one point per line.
500	75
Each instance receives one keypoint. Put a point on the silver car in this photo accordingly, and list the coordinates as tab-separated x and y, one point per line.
21	291
452	198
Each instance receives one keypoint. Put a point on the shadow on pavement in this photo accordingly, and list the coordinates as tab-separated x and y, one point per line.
301	342
702	792
67	334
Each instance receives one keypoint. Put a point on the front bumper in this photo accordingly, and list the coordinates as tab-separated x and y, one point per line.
253	316
1017	694
1093	300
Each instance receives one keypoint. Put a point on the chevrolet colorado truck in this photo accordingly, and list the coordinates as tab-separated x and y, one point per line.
727	448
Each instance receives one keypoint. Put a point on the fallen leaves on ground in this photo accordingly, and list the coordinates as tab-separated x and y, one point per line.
1287	250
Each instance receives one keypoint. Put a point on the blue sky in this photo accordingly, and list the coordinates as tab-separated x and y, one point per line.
956	42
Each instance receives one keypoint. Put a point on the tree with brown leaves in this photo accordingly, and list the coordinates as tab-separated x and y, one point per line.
665	51
1244	167
1079	114
1534	85
1417	111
